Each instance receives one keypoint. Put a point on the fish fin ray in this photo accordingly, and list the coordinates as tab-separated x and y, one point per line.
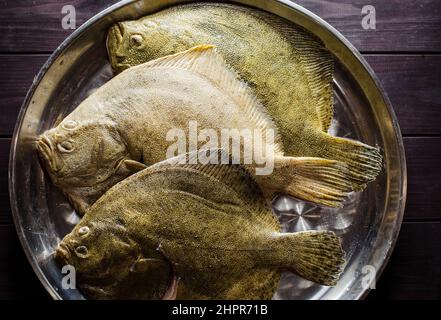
235	176
79	204
261	284
363	161
315	255
206	61
321	181
319	65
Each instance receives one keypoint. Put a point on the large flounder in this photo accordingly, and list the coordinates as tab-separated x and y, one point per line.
222	244
123	126
290	70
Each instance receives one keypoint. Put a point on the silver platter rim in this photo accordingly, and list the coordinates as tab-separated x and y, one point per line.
347	54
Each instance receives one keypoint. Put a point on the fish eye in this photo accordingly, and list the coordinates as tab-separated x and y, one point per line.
81	251
65	146
83	231
136	40
69	125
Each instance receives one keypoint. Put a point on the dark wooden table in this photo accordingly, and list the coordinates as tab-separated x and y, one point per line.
404	50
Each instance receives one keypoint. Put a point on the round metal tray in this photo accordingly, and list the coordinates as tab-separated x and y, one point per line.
369	223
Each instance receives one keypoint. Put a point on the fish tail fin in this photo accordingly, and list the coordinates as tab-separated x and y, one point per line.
315	255
363	161
322	181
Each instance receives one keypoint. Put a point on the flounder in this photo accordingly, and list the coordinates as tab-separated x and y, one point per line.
123	126
209	222
289	69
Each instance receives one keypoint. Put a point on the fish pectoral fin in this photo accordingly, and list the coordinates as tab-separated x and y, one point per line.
134	166
172	290
80	205
145	264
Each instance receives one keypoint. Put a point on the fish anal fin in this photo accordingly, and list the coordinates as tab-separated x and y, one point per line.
319	67
260	284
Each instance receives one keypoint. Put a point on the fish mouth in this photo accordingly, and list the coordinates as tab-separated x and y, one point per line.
115	37
46	150
62	254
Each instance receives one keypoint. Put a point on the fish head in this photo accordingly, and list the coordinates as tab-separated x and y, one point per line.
81	153
97	250
131	43
109	264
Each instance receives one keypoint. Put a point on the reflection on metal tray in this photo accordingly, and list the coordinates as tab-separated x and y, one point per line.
369	223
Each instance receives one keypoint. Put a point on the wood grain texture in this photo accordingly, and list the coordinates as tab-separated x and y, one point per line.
412	83
5	208
402	25
17	74
35	26
411	78
424	176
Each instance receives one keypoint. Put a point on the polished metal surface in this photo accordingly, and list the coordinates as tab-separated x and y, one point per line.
369	223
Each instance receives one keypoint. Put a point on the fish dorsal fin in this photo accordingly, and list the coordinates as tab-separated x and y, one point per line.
235	176
319	66
206	61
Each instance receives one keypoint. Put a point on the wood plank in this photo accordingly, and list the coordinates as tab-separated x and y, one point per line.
18	72
412	83
5	208
424	179
35	26
401	25
414	270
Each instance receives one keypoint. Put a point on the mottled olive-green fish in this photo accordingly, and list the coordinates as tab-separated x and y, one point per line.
209	222
110	264
131	121
290	70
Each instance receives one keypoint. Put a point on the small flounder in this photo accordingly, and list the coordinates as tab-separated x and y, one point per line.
289	69
123	126
222	244
110	264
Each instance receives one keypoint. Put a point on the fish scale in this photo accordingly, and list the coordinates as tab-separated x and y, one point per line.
112	138
289	69
218	249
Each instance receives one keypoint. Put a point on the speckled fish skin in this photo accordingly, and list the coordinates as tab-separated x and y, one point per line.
225	244
289	69
123	126
110	264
